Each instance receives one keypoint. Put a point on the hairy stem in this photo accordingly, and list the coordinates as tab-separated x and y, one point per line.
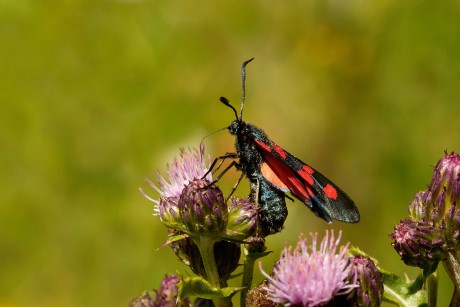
452	266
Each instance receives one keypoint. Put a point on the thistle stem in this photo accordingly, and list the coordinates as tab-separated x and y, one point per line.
452	266
432	289
206	248
247	275
252	252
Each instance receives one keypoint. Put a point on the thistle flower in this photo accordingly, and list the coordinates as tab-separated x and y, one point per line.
309	276
190	165
418	243
370	285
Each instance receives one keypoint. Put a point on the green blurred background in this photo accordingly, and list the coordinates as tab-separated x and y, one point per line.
97	95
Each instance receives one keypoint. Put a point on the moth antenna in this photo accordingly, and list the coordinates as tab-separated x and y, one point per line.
243	82
227	103
207	135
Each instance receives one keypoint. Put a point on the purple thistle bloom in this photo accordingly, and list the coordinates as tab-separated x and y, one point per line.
191	164
309	276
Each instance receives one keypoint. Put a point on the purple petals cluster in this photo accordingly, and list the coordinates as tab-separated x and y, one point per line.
418	243
190	165
191	204
433	225
311	276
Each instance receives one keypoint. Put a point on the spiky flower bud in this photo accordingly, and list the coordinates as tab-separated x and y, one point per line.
418	243
242	219
444	198
202	209
370	285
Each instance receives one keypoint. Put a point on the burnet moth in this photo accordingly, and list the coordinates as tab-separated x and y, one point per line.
272	172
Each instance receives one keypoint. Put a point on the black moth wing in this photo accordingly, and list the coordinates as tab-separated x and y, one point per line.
341	208
316	191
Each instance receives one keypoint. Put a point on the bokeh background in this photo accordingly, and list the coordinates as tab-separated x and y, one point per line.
97	95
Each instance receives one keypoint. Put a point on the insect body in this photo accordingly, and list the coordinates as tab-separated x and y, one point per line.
272	172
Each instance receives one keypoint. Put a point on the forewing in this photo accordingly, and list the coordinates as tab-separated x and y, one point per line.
287	173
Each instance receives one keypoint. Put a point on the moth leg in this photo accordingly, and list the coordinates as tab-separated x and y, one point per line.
230	155
234	187
232	164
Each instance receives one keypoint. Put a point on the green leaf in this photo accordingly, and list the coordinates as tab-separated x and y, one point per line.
174	237
403	293
200	287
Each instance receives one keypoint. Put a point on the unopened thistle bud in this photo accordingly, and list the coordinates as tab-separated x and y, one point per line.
418	243
202	209
242	219
444	199
370	285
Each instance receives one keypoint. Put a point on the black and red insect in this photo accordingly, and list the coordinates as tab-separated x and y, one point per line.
272	172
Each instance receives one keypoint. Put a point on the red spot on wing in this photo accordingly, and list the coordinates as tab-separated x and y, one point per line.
308	169
280	151
306	175
263	146
330	191
283	177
